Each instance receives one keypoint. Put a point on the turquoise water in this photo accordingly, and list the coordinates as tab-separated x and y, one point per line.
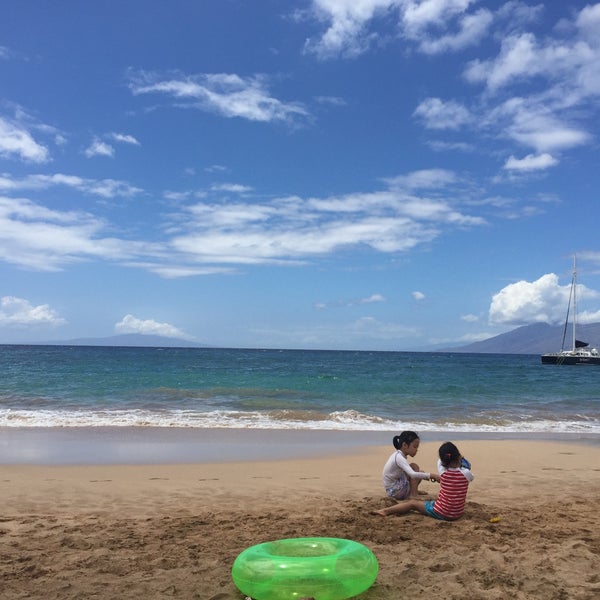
68	386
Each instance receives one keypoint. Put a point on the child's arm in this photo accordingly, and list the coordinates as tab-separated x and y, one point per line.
467	473
403	464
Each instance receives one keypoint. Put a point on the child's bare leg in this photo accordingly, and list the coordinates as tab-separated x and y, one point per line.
414	483
403	507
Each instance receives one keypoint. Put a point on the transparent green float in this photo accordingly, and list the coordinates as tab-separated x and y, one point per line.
315	567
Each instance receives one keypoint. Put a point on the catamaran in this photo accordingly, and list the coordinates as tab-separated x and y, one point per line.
580	352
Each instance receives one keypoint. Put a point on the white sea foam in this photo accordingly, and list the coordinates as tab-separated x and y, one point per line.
339	420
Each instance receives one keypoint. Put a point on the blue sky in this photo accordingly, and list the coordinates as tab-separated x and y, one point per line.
338	174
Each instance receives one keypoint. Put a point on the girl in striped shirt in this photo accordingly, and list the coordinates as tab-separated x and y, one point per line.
455	476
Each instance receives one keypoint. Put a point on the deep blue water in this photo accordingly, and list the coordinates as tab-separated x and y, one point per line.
283	389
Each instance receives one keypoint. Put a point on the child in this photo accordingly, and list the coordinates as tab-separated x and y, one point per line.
400	479
454	483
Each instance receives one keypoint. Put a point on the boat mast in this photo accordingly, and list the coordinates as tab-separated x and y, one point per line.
574	300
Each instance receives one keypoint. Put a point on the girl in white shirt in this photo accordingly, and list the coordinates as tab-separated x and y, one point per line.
400	478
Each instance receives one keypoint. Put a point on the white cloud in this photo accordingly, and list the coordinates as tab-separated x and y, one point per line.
99	148
420	15
226	94
16	141
544	132
106	188
210	235
471	28
372	298
434	25
21	313
287	230
42	239
125	139
470	318
530	162
216	169
523	57
437	114
423	179
176	271
130	324
230	187
347	34
418	296
558	79
540	301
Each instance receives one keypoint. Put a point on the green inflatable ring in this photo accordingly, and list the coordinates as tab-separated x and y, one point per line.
314	567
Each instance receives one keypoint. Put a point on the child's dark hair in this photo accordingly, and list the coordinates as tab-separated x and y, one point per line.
448	454
406	437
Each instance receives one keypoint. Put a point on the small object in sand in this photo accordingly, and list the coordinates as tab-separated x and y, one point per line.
495	520
295	568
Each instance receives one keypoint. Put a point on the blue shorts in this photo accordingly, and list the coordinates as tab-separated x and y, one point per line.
429	510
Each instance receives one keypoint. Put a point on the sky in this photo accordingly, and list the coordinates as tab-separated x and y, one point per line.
318	174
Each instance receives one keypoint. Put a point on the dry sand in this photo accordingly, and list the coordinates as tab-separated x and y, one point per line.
173	531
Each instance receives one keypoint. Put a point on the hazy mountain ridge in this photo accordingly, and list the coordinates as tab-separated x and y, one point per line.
528	339
533	339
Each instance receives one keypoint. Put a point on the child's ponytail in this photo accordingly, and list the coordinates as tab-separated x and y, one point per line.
406	437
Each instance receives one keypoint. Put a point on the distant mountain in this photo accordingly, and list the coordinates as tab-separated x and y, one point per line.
533	339
130	339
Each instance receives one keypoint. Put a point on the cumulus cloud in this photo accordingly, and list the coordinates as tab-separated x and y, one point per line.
226	94
347	33
437	114
540	301
131	324
470	30
435	26
418	296
18	312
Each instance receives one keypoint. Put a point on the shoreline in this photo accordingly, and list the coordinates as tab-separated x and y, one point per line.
171	445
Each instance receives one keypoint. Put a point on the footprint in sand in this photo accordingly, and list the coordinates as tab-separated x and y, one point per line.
100	480
158	479
209	479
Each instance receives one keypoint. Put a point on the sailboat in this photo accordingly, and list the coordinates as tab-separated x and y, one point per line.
580	352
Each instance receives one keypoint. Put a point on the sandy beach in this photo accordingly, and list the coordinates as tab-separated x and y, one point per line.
174	530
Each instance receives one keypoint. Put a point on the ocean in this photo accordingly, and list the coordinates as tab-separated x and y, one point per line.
87	387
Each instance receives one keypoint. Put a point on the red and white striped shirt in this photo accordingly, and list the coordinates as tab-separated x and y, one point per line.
454	484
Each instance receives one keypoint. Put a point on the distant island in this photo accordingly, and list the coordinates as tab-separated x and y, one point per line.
532	339
528	339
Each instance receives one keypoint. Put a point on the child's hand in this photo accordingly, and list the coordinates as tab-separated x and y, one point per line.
434	477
